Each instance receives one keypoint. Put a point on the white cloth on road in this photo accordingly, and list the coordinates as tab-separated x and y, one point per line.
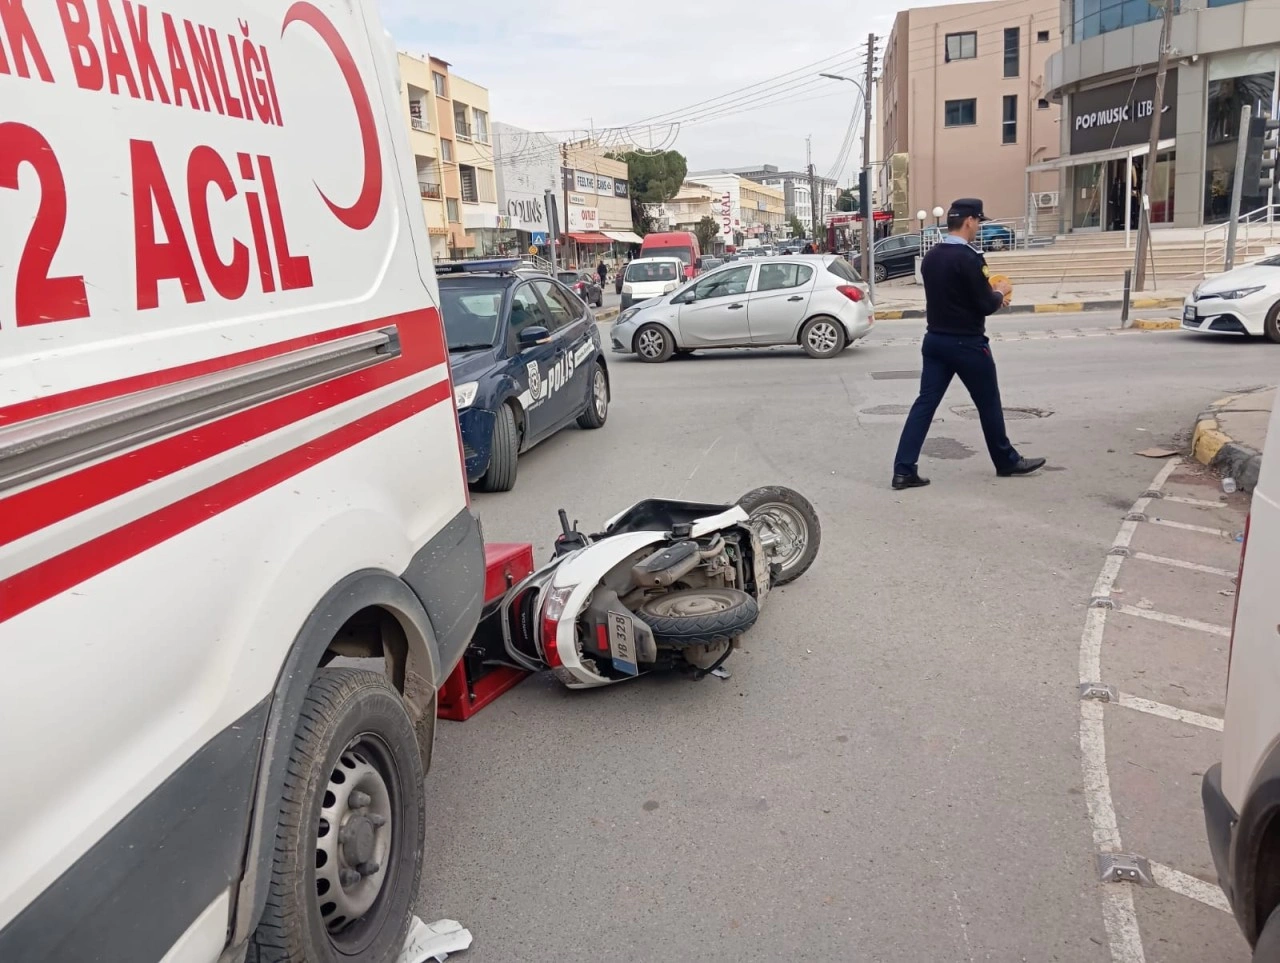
434	941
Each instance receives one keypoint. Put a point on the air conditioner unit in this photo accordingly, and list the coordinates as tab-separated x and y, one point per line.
1046	199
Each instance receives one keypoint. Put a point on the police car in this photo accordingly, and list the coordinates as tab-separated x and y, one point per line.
526	360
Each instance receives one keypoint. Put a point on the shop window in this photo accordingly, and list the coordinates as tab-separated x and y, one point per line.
1226	97
1012	47
960	113
1009	120
962	46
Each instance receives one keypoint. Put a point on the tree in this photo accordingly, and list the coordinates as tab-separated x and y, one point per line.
707	231
797	228
653	178
847	200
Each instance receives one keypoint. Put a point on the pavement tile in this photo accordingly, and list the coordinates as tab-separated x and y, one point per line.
1165	663
1156	766
1176	929
1175	591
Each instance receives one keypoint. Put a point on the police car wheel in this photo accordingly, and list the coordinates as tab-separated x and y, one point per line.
654	344
503	452
597	410
822	337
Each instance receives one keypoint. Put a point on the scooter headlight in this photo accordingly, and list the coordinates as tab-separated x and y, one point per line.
552	608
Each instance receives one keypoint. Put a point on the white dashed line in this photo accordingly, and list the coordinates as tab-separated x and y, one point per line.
1203	529
1179	563
1178	620
1198	502
1139	704
1190	886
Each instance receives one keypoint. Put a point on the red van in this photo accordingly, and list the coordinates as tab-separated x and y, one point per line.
681	244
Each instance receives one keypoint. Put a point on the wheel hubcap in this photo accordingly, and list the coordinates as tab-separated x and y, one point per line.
353	840
823	337
783	532
687	605
600	392
650	344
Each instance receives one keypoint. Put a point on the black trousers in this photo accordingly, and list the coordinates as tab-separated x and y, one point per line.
947	355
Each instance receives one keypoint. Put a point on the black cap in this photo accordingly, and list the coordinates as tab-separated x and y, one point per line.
967	207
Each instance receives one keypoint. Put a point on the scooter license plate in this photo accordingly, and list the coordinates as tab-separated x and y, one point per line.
622	643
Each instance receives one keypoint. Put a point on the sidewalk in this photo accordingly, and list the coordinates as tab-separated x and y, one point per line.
1230	433
905	299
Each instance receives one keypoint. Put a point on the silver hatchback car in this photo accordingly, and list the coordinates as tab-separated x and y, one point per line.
816	301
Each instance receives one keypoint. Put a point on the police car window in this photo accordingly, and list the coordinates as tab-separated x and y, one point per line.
561	307
526	310
471	307
723	284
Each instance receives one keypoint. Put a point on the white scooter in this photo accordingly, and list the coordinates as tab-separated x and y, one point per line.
667	584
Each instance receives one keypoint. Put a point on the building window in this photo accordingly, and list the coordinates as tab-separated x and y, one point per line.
1042	36
451	209
1009	122
461	129
482	125
960	113
446	150
485	183
470	192
417	108
438	80
1042	104
962	46
1012	46
1089	18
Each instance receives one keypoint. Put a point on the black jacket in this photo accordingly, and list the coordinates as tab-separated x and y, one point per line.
957	294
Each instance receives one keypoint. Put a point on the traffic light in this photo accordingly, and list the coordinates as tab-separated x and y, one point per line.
1260	155
864	195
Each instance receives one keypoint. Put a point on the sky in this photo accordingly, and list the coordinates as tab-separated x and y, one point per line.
575	67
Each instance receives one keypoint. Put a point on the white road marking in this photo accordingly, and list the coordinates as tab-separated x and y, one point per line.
1190	886
1199	502
1204	529
1178	620
698	464
1179	563
1170	712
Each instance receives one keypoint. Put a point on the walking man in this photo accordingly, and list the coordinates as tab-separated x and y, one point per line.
602	271
958	298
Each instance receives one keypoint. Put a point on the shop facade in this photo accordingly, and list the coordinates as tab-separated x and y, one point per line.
1227	56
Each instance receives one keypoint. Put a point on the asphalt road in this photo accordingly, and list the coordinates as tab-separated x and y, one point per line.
893	772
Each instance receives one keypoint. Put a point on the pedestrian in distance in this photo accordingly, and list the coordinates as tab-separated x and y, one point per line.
602	270
958	298
808	248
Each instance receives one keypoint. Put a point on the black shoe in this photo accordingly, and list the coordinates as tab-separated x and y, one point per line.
913	480
1024	466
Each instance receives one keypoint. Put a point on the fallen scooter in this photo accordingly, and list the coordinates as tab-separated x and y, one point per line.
666	585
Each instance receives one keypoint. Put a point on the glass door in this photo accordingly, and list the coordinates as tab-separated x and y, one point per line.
1086	200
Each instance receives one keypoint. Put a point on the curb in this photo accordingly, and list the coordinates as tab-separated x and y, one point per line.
606	314
1162	324
1211	446
1050	307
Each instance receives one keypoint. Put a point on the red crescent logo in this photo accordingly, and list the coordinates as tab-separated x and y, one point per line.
360	214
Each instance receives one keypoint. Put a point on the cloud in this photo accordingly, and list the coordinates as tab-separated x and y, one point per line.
562	66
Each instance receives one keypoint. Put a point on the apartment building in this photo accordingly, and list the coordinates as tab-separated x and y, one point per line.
450	134
797	191
963	96
743	208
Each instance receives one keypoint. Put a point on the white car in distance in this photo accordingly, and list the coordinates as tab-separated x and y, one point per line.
1242	301
650	277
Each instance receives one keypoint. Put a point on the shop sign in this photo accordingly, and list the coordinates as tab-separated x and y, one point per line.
595	183
584	219
578	199
726	214
619	188
1119	114
527	210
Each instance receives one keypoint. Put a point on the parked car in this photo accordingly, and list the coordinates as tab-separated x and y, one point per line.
1243	301
896	256
1241	794
584	284
710	263
993	236
526	359
617	279
814	300
650	277
677	244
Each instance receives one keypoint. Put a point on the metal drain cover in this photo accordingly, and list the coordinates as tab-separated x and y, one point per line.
895	375
1010	414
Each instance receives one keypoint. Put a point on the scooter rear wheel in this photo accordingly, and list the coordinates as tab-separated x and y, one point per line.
699	616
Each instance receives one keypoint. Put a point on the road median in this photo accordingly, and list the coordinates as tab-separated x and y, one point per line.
1229	434
1047	307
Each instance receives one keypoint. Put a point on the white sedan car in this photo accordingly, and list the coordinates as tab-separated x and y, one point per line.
816	301
1243	301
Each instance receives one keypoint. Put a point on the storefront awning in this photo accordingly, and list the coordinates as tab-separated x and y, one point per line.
590	237
1097	156
624	237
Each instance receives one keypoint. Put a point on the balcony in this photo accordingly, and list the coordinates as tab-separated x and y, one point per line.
430	191
418	123
461	129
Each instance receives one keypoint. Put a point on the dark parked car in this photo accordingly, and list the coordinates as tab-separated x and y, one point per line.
896	256
709	263
584	284
995	237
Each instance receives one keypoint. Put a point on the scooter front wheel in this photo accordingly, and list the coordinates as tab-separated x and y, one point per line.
788	526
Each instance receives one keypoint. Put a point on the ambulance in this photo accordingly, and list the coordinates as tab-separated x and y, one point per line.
230	479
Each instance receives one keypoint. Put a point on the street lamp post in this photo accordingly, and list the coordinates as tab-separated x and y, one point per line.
937	216
864	203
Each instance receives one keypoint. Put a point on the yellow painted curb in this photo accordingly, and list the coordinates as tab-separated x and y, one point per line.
1156	303
1207	441
888	315
1060	307
1161	324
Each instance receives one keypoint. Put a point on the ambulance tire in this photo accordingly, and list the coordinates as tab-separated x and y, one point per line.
504	450
354	763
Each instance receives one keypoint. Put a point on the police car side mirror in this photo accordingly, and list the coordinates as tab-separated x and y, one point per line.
533	335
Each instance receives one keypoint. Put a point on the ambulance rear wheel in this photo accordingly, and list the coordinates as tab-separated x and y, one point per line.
351	829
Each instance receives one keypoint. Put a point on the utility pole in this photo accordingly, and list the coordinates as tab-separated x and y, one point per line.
813	194
564	184
1157	111
864	203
